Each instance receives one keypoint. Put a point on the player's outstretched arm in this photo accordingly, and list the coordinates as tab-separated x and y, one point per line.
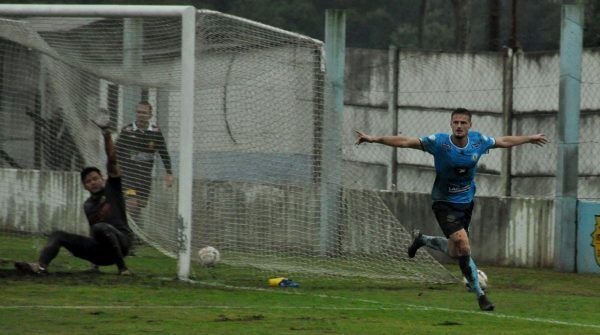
111	154
112	167
393	141
511	141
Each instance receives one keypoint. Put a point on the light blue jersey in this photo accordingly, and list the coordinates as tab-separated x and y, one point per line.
455	167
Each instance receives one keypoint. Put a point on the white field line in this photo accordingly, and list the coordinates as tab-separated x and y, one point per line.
381	307
225	307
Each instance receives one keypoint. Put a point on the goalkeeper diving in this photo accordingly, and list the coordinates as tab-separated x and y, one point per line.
110	235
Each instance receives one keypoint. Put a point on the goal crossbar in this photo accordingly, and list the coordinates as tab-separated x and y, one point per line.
93	10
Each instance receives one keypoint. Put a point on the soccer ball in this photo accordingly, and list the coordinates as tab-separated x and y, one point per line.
483	280
209	256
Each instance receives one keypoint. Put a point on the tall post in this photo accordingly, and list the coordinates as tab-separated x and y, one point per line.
131	57
39	110
392	184
565	202
507	110
330	186
133	38
186	145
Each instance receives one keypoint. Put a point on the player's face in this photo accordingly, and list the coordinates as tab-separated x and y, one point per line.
460	124
93	182
143	113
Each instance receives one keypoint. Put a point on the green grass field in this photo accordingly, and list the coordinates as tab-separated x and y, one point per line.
228	300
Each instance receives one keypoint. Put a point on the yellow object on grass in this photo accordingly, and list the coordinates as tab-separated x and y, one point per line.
275	281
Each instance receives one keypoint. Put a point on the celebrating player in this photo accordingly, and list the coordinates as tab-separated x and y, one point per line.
455	160
110	235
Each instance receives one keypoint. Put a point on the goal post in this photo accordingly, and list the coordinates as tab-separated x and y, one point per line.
188	49
227	131
188	42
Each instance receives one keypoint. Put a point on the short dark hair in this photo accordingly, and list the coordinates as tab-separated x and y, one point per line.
145	103
461	111
88	170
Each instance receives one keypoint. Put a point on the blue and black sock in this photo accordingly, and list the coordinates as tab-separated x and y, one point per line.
439	243
469	270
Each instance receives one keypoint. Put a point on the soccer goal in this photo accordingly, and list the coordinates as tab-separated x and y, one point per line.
227	150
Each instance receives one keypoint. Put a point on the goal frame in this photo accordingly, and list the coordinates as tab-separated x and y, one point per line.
188	47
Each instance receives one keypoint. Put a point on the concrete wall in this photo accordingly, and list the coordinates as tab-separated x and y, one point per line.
243	216
503	231
433	83
34	201
19	66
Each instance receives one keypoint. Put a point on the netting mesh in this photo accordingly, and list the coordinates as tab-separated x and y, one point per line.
258	145
589	137
431	84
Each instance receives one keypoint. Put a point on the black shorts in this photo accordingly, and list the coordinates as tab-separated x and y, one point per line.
452	217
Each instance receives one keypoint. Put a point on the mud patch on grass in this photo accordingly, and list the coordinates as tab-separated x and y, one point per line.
448	323
246	318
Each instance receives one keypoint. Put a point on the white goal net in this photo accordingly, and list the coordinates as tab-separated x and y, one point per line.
258	159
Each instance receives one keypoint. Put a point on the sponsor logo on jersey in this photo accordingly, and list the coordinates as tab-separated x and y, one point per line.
461	170
432	137
458	188
142	156
596	240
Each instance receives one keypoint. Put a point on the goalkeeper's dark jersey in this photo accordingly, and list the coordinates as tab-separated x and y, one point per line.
108	206
136	150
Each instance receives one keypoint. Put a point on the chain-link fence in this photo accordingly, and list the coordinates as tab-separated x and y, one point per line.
589	136
508	94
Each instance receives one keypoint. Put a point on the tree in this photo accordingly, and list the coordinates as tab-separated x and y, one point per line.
421	24
494	25
462	18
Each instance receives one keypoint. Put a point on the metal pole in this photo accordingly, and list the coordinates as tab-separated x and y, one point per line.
393	111
507	109
186	146
565	201
331	193
91	10
133	41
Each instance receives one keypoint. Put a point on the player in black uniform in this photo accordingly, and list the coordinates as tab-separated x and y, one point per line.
136	148
110	235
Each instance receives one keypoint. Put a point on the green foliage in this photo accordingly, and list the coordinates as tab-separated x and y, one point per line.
380	23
